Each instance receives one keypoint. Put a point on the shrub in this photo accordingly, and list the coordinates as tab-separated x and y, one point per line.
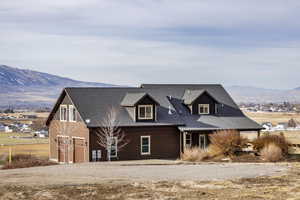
279	140
194	155
271	153
24	161
227	142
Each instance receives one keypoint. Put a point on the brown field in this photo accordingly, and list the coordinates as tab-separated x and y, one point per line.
39	150
274	118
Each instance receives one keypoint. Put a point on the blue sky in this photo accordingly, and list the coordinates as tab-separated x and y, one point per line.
233	42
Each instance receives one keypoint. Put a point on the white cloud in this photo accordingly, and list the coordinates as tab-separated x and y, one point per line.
247	42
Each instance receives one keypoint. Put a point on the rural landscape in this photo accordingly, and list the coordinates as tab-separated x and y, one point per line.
149	100
31	185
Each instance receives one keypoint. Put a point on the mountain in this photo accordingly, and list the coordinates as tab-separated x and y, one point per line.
247	94
31	88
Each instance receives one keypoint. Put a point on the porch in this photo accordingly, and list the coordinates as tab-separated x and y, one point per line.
189	139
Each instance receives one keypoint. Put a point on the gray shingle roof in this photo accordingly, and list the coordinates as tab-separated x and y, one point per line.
131	99
191	95
93	103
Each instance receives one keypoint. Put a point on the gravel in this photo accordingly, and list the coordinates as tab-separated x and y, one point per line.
137	171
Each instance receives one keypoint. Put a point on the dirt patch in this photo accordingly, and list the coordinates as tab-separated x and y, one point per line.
279	187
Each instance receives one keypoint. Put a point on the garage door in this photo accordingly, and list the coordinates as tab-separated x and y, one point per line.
62	149
79	149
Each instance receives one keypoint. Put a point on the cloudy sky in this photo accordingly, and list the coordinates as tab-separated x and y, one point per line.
128	42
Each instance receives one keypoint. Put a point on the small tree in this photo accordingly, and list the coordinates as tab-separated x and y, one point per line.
292	123
110	133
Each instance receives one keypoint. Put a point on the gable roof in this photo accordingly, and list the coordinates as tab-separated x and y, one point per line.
131	99
93	103
191	95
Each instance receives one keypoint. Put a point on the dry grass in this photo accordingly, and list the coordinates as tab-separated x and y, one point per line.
20	138
194	155
266	140
25	161
274	118
271	188
271	153
39	150
227	142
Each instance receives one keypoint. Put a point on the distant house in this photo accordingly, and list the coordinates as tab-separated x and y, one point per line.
6	129
160	121
281	126
26	116
267	126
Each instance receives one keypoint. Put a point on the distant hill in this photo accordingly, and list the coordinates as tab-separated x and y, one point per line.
26	87
248	94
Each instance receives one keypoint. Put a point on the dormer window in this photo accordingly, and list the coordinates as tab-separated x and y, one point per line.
145	112
203	109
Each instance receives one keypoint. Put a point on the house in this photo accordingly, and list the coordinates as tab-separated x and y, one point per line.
4	128
281	126
159	120
268	126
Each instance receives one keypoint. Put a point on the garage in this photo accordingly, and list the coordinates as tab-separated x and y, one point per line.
62	143
79	149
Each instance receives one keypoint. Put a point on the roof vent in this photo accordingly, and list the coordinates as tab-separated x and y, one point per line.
170	111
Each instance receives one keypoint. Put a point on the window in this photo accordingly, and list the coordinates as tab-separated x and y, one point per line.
188	140
145	145
114	148
96	155
202	141
145	112
203	108
63	113
72	113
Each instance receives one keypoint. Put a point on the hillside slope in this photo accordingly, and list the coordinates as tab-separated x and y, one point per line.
20	87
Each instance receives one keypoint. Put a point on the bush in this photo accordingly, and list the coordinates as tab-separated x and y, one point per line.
271	153
279	140
227	143
24	161
194	155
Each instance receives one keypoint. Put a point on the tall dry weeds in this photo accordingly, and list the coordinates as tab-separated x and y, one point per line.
271	153
227	143
194	154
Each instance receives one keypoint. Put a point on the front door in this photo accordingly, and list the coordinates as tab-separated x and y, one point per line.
202	141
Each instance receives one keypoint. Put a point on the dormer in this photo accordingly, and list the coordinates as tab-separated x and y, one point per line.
200	102
140	106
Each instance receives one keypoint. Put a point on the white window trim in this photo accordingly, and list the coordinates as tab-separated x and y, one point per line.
204	105
71	107
149	149
60	108
190	139
145	106
116	155
202	136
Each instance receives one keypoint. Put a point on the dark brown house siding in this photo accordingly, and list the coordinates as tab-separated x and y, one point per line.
204	99
69	130
165	143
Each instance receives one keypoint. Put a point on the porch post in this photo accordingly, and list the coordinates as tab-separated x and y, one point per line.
258	134
180	143
184	140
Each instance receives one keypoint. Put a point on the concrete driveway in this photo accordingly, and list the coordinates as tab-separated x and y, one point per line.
137	171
